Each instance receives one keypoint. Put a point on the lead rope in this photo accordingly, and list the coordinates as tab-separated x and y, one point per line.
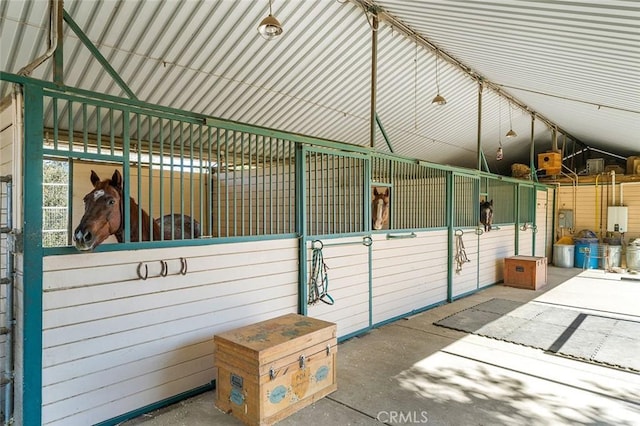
461	254
318	280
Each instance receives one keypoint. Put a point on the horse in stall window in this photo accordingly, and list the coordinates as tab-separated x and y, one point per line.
380	208
486	214
104	216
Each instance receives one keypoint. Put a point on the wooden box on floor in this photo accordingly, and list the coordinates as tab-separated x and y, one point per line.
528	272
271	369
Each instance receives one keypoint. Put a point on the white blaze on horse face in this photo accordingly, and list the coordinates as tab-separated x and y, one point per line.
97	194
379	211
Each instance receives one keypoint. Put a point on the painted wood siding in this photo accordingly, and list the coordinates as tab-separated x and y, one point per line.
494	247
541	224
466	280
347	260
114	343
591	204
408	273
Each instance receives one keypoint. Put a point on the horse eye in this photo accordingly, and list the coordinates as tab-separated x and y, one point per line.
111	201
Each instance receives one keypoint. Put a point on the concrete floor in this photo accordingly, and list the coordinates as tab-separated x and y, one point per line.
412	372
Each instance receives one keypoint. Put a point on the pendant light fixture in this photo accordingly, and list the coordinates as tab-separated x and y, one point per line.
511	133
499	153
439	99
270	27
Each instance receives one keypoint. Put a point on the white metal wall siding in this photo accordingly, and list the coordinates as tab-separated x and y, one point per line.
408	274
494	247
348	285
467	279
113	343
541	223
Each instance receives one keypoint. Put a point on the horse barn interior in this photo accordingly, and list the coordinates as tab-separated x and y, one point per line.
175	170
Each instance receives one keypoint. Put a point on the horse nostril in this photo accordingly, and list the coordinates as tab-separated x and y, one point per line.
87	237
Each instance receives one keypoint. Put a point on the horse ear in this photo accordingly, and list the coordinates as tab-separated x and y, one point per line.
491	203
94	178
386	192
116	179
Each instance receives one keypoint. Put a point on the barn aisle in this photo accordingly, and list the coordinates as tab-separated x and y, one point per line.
413	372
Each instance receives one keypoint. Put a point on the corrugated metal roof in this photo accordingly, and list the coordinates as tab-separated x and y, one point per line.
576	63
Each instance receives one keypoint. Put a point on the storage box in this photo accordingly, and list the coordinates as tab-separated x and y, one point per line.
271	369
528	272
551	162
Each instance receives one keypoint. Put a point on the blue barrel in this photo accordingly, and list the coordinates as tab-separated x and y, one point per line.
580	252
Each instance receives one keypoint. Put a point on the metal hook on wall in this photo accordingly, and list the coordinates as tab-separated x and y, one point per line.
146	271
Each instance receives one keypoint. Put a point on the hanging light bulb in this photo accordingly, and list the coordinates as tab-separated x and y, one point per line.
438	99
499	153
270	27
511	133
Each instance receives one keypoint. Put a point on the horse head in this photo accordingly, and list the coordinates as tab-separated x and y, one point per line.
486	214
380	207
103	213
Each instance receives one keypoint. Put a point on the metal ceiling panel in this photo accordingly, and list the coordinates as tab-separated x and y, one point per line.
574	63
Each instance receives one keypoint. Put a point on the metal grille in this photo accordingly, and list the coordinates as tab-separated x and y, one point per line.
466	208
234	183
526	204
419	197
504	203
335	186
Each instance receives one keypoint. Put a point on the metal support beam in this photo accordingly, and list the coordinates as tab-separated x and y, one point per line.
480	87
532	165
384	134
96	53
58	54
374	77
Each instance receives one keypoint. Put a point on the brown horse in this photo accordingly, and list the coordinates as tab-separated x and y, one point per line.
380	207
104	216
486	214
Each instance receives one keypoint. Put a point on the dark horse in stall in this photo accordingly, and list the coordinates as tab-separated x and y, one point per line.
380	208
486	214
104	216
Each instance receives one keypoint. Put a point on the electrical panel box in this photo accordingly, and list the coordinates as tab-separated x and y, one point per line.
565	218
617	217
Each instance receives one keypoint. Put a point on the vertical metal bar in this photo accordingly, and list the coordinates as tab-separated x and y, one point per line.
201	178
32	256
252	176
70	124
191	183
534	176
210	181
374	79
126	170
161	172
181	187
264	188
56	128
171	170
99	129
480	87
301	182
139	168
242	185
151	209
450	189
234	186
226	182
218	184
85	128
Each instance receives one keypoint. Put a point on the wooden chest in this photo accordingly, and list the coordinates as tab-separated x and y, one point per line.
271	369
528	272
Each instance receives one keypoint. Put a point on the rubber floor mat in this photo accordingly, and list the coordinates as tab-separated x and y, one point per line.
594	338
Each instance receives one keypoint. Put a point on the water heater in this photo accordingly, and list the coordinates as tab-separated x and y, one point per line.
617	218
